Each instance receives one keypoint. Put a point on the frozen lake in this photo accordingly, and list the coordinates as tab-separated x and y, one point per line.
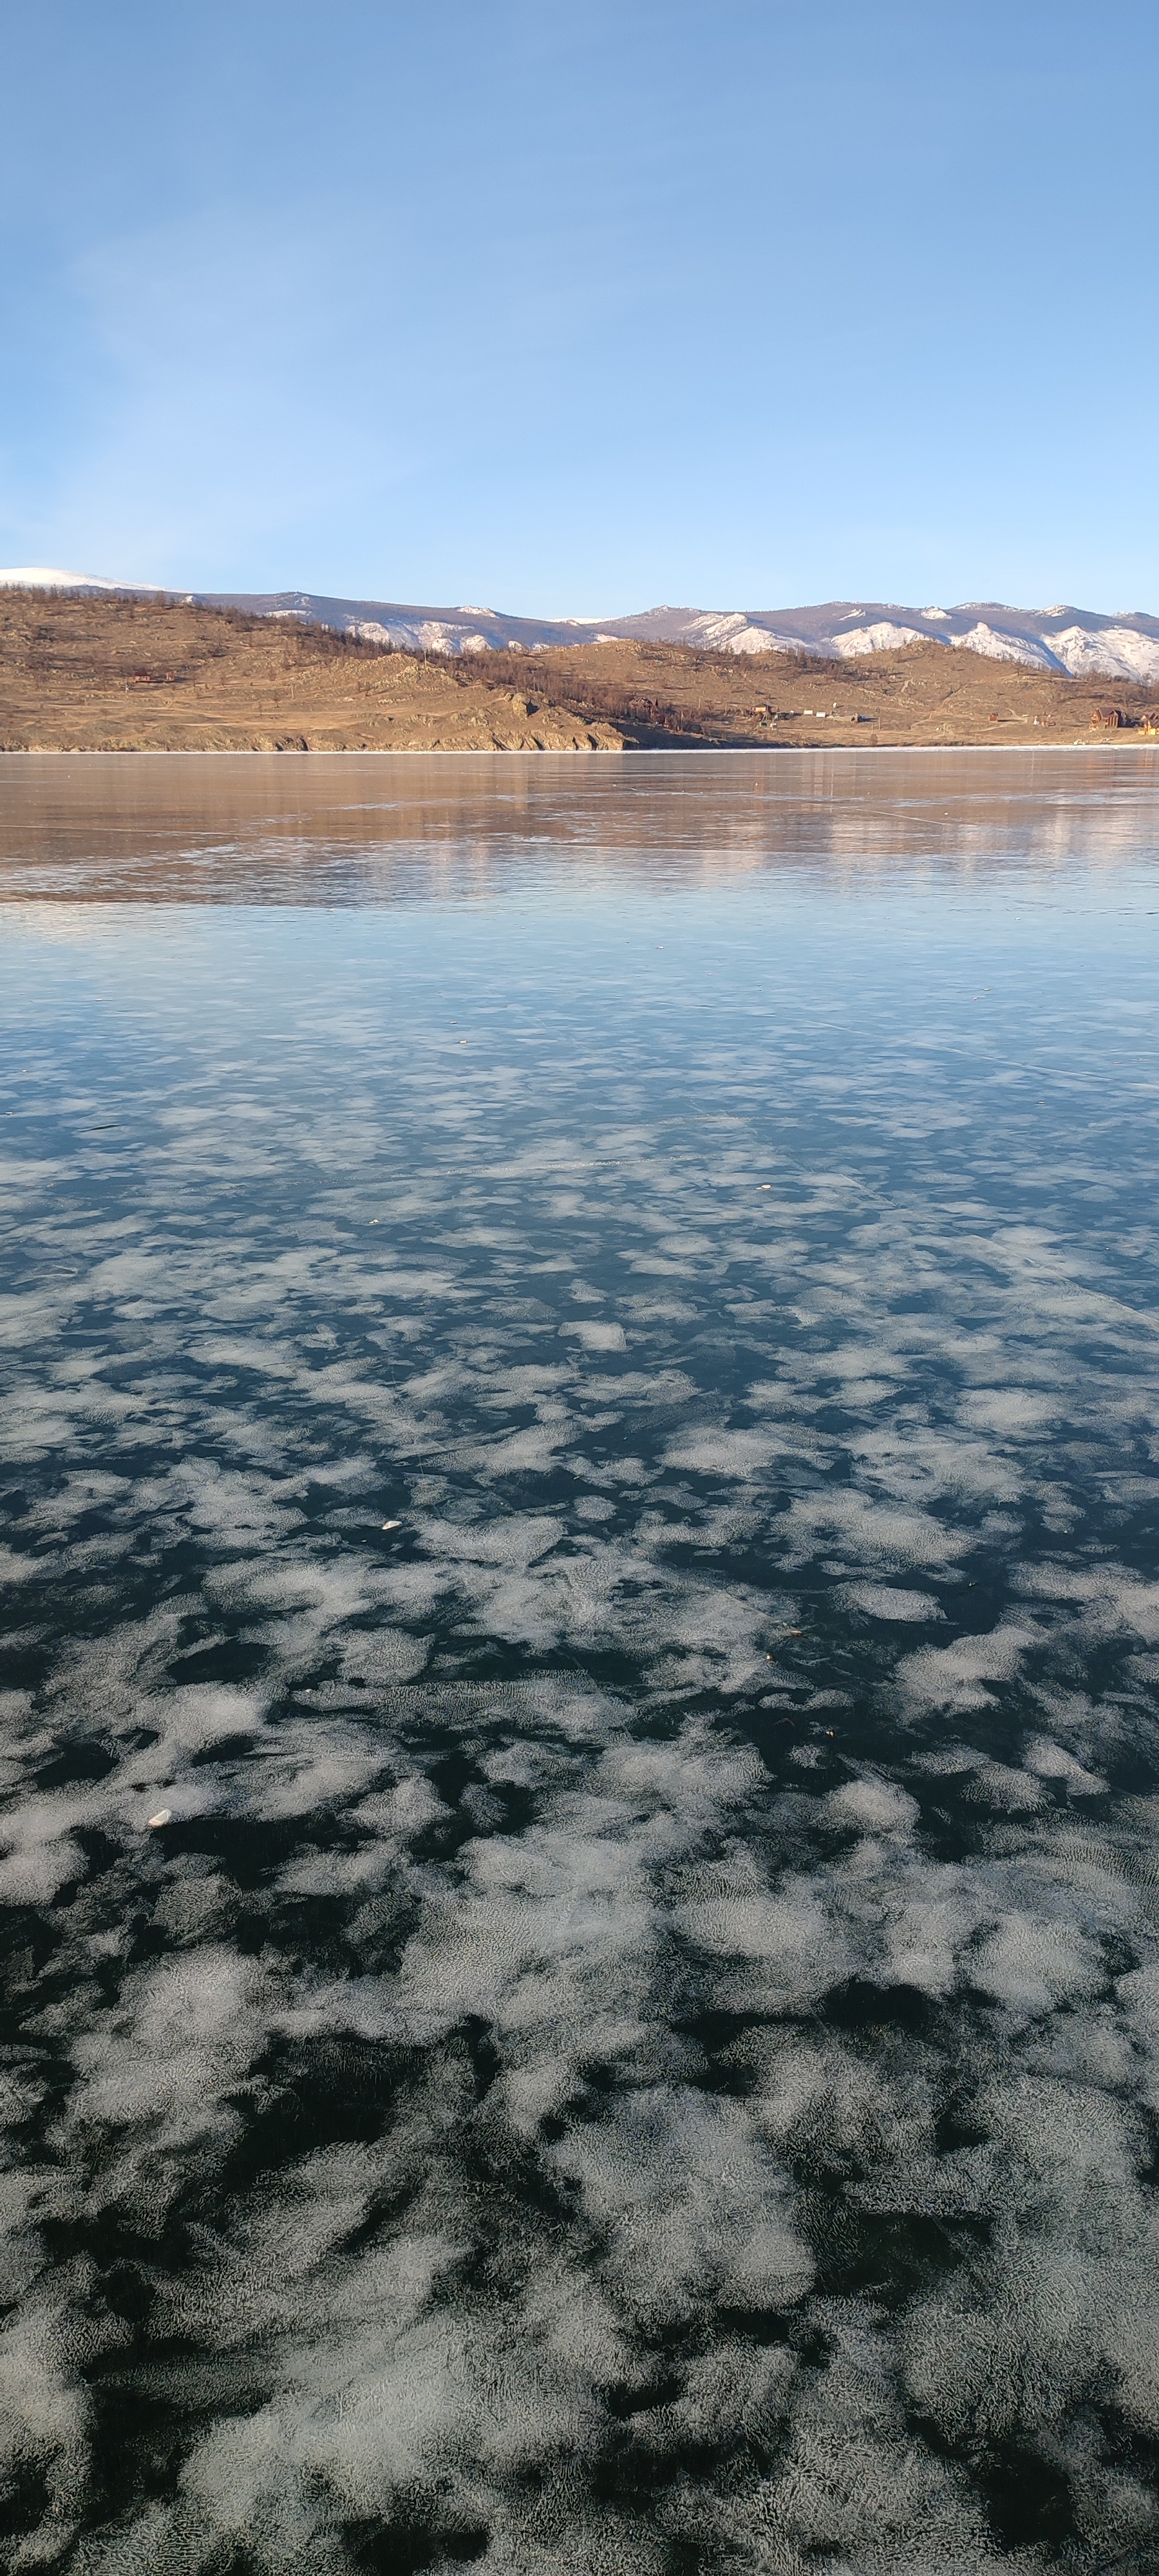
580	1854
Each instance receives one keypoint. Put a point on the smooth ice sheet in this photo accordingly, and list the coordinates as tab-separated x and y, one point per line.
579	1489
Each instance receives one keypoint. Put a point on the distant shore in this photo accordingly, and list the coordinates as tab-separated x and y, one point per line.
83	673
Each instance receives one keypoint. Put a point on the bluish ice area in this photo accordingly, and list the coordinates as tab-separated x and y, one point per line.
581	1384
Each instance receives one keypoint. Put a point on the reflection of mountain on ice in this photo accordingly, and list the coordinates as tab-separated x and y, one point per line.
1078	640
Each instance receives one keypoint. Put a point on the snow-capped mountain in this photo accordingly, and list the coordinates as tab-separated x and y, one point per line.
44	577
1124	646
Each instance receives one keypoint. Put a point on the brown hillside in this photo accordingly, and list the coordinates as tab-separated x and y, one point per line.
119	674
662	695
115	674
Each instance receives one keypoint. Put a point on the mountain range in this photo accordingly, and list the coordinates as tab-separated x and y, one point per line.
1081	641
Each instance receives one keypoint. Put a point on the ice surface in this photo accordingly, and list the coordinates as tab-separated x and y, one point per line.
582	1952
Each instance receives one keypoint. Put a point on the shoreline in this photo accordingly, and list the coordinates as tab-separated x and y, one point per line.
1107	742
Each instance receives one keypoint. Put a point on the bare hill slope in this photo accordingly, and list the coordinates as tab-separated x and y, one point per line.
663	695
1117	645
101	672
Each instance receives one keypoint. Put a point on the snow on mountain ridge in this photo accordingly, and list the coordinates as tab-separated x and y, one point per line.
1006	648
1119	650
1080	641
44	577
882	637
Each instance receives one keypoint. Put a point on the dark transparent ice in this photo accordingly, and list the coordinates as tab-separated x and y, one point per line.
579	1490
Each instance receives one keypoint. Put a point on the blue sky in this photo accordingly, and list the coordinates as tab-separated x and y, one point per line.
578	311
